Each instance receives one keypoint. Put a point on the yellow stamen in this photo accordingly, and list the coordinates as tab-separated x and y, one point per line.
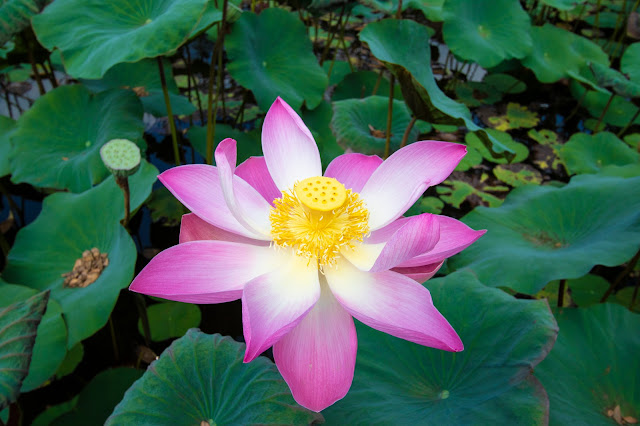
317	218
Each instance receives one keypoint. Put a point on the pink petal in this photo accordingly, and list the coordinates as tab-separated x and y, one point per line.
203	271
417	235
392	303
192	228
274	303
255	172
402	178
318	357
455	236
289	148
245	203
420	273
353	170
198	187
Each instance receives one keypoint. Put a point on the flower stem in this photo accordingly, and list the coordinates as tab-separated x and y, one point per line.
561	290
407	131
387	142
635	294
604	111
123	183
620	277
624	129
172	124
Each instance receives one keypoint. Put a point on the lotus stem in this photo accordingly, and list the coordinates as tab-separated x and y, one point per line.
616	30
597	20
52	73
620	277
240	114
114	341
211	110
387	141
575	110
604	111
167	102
141	305
376	86
629	124
635	294
190	77
331	35
34	69
407	131
561	290
399	11
344	43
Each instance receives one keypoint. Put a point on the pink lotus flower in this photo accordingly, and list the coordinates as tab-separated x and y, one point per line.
306	252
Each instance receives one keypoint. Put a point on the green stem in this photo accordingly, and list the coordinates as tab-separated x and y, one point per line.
52	73
344	43
167	102
399	11
620	277
330	36
629	124
34	69
114	341
597	20
561	290
604	111
141	305
191	78
376	86
123	183
575	110
635	294
407	131
387	141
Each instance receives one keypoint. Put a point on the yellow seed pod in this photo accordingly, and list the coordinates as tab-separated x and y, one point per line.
321	193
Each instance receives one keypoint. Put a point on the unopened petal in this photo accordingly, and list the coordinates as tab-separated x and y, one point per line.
255	172
198	188
192	228
203	271
289	148
317	358
392	303
353	170
274	303
402	178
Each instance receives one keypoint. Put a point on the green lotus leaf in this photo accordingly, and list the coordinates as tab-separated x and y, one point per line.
97	400
624	297
7	126
360	124
611	79
471	159
63	132
398	382
558	53
339	69
71	361
633	140
403	46
606	19
543	136
105	34
563	4
521	151
144	79
201	378
68	225
630	62
587	290
248	143
319	122
172	319
15	15
517	116
54	411
585	153
619	112
517	174
593	366
486	31
51	342
165	208
288	68
474	94
542	233
18	324
504	83
361	84
456	192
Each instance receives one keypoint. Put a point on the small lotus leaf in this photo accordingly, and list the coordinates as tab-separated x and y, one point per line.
403	46
456	192
585	153
611	79
594	366
633	140
630	62
287	68
171	319
68	225
144	79
474	141
471	159
398	382
516	117
517	174
558	53
486	31
542	233
361	124
361	84
619	112
18	324
51	342
201	378
504	83
587	290
7	126
63	132
106	34
474	94
625	296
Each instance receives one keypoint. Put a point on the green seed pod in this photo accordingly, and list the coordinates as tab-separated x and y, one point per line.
121	157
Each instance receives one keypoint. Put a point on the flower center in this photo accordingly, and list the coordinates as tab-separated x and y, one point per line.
317	218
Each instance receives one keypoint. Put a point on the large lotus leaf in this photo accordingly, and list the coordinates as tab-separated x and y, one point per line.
403	46
286	68
630	62
97	34
51	342
360	124
619	111
68	225
558	53
15	15
542	233
57	142
201	379
486	31
585	153
97	400
144	79
398	382
18	324
7	126
594	366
